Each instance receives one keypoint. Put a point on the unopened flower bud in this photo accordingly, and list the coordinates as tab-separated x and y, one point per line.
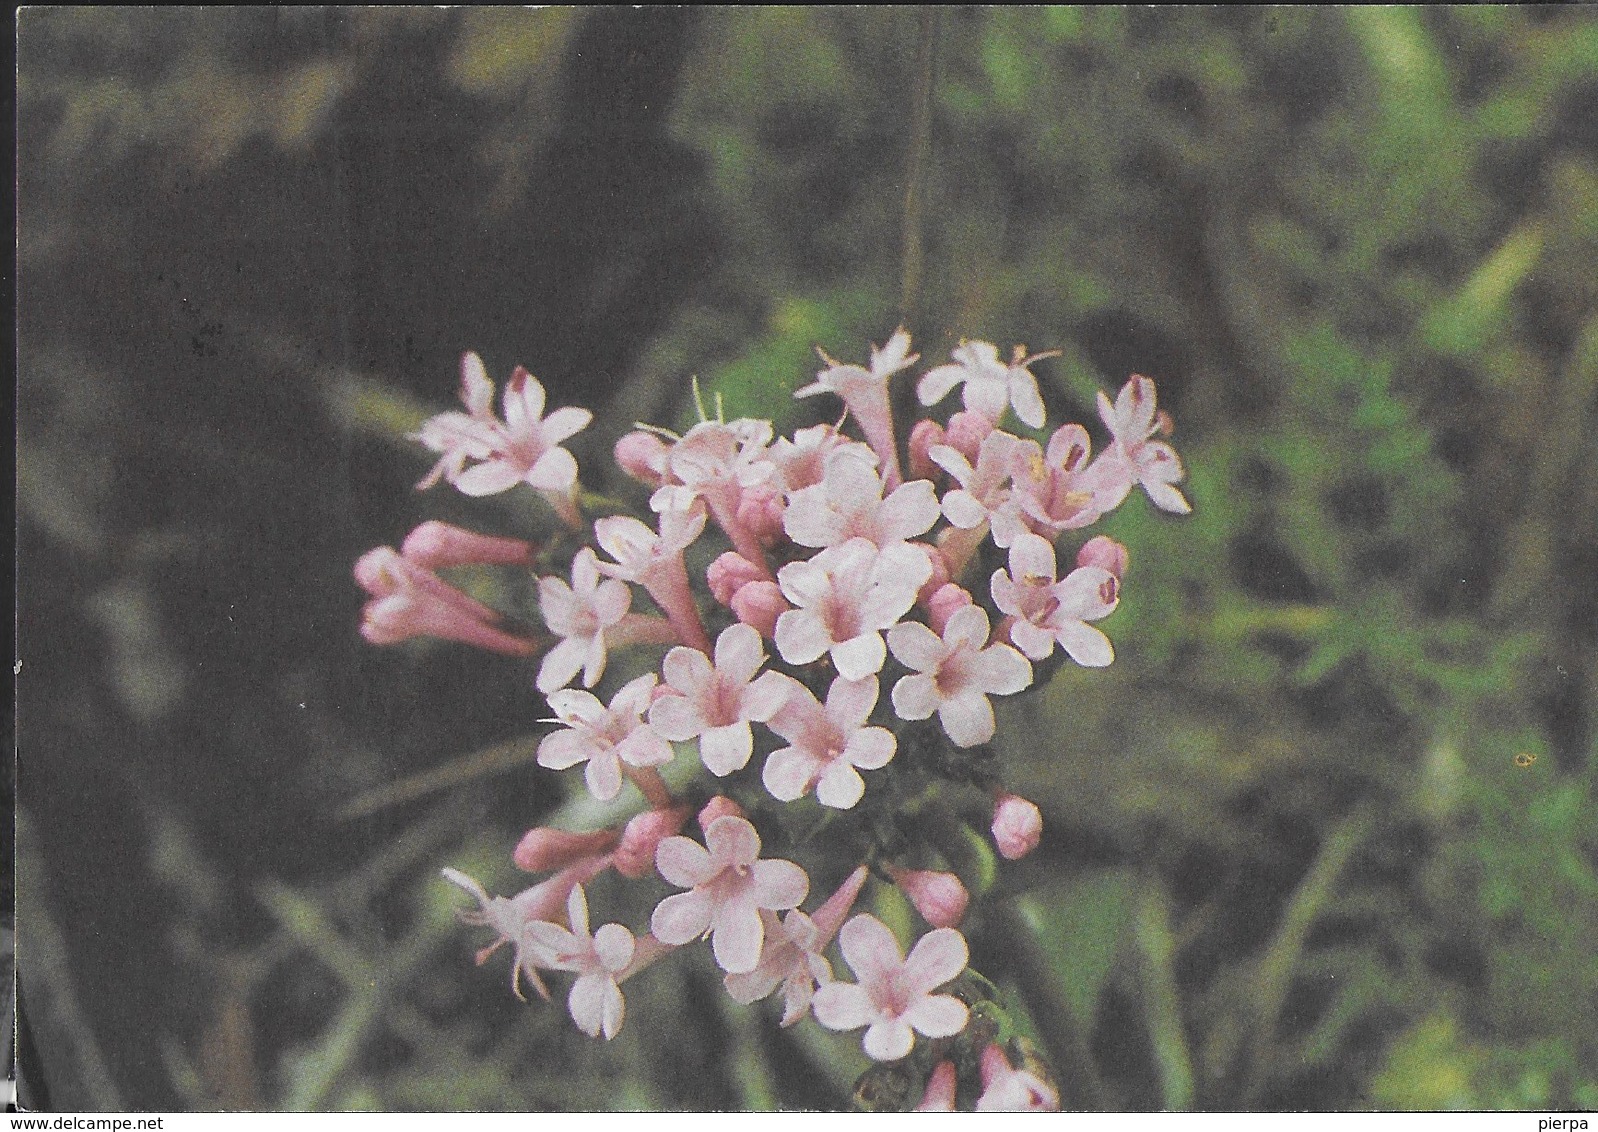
760	510
939	1096
437	545
642	455
940	573
1017	826
543	850
923	437
1007	1089
943	604
939	897
1105	553
730	573
966	431
759	604
719	807
635	856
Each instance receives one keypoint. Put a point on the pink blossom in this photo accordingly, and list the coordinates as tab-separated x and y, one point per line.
1105	553
1134	457
800	462
1007	1089
939	1095
956	674
581	613
438	546
990	385
984	495
924	436
865	392
604	738
761	510
510	917
758	605
409	600
1017	826
1055	488
717	461
792	956
729	886
1047	611
828	746
719	806
523	448
894	994
635	856
642	455
655	561
943	605
729	573
542	850
599	960
848	503
716	703
940	897
966	431
845	597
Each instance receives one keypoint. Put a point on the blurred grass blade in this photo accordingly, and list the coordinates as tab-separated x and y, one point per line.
479	764
1162	1002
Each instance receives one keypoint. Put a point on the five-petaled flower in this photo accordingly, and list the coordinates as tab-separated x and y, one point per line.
1134	456
894	994
845	597
715	703
581	613
828	746
848	503
602	737
729	887
599	959
955	675
991	386
1045	611
865	392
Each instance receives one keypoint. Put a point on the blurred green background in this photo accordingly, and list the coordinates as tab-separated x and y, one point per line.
1292	860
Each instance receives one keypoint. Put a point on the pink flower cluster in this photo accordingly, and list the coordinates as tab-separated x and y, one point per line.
844	607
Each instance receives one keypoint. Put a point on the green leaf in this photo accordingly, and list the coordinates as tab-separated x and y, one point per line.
1080	926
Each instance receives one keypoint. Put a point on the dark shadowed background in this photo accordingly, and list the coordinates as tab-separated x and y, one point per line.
1325	835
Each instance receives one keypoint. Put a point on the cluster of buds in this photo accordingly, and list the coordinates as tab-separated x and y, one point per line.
849	603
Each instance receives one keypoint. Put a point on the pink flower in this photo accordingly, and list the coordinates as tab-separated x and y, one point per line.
865	392
1134	457
729	886
984	494
1017	826
758	605
848	503
943	604
1047	611
543	849
719	806
800	462
894	994
1006	1089
955	676
990	385
716	703
1055	488
828	746
510	917
655	561
635	856
438	546
729	573
409	600
1105	553
940	897
792	956
924	436
845	597
939	1096
717	461
966	431
581	613
599	959
642	455
604	738
523	448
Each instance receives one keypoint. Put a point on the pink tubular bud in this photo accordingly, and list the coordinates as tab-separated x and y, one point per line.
1105	553
1008	1089
719	807
760	510
437	545
543	850
939	897
965	433
642	455
635	856
925	436
1017	826
949	598
759	604
730	573
939	1096
940	573
835	909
